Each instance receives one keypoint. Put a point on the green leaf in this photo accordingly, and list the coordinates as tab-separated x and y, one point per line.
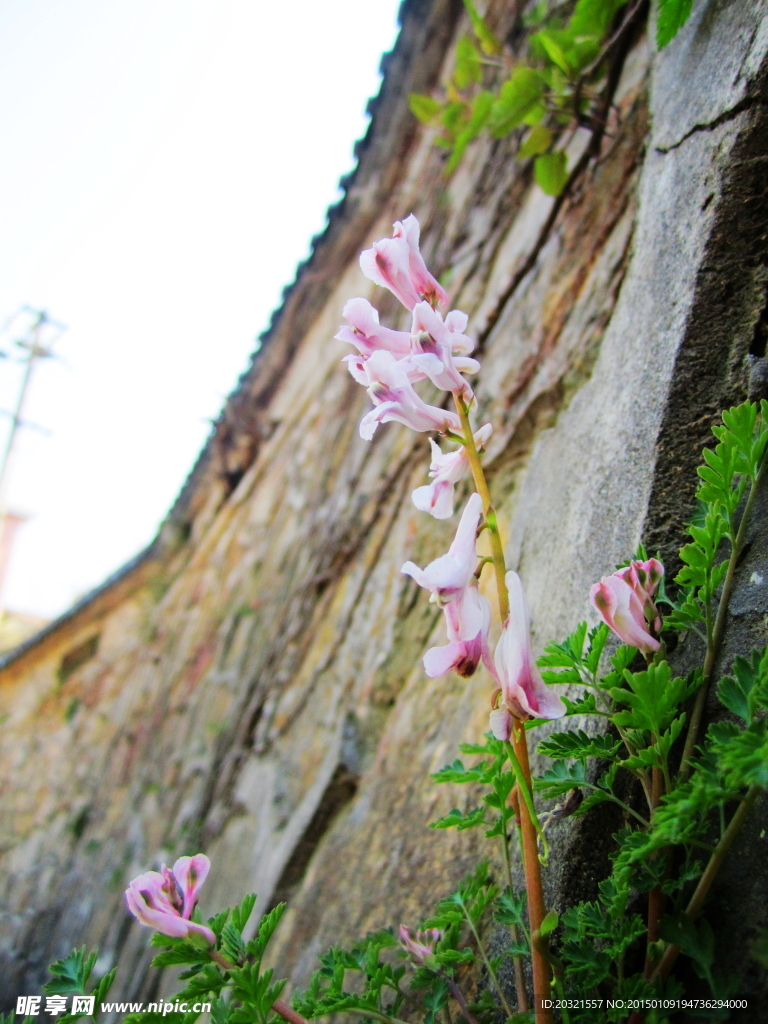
71	974
747	689
551	172
455	956
241	914
743	759
468	69
461	821
672	15
653	699
480	112
510	908
583	706
549	923
182	954
435	999
537	141
597	796
560	779
101	991
518	96
554	51
593	17
579	745
424	107
267	925
488	41
456	772
697	942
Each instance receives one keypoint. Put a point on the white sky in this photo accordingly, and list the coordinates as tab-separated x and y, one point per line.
165	163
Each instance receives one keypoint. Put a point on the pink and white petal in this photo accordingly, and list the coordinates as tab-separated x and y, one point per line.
410	569
372	419
439	661
464	364
435	498
501	723
356	366
191	873
153	885
464	548
482	436
446	575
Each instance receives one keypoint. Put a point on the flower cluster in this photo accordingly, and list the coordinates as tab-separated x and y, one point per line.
421	945
164	900
388	363
624	601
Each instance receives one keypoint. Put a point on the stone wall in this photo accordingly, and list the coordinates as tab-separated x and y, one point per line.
252	685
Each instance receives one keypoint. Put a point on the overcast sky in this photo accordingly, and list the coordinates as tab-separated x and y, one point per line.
165	163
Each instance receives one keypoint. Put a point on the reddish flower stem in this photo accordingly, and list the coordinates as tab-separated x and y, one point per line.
542	970
285	1011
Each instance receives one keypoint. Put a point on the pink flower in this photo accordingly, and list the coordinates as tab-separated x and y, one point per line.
420	946
392	393
456	324
164	900
367	334
397	264
446	470
624	601
432	353
462	656
523	692
644	578
450	577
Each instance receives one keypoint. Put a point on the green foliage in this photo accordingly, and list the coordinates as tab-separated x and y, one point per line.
551	172
469	69
489	43
672	15
579	745
520	97
653	698
71	974
729	470
424	107
747	689
558	82
375	989
537	141
492	772
696	941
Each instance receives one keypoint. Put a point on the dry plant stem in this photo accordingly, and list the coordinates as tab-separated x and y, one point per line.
542	973
717	631
705	882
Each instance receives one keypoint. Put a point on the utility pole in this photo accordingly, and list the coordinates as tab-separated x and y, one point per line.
37	343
